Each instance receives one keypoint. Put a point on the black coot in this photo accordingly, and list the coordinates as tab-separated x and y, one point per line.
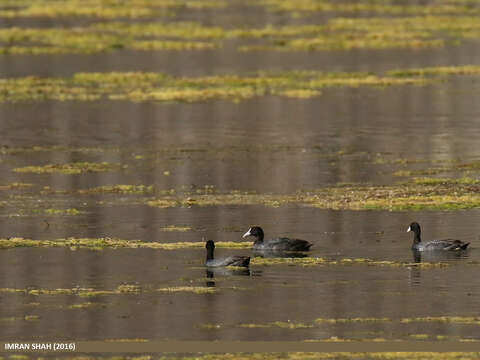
278	244
434	245
234	260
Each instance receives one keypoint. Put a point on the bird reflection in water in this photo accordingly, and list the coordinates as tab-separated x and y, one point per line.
438	256
212	272
414	277
279	254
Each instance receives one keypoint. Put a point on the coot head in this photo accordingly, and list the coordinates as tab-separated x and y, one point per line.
415	227
210	244
255	231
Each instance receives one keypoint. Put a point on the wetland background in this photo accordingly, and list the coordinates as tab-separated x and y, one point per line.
128	125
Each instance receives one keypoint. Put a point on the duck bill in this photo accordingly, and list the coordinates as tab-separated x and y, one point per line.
246	234
409	229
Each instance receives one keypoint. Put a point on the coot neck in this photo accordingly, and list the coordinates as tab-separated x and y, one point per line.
416	237
210	253
259	237
258	240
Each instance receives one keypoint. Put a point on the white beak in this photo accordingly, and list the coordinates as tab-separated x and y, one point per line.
409	229
247	233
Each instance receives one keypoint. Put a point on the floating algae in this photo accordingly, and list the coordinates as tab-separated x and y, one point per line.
71	211
314	261
415	195
300	7
84	305
194	289
71	168
120	189
351	320
139	86
25	318
81	292
280	324
103	243
105	9
468	320
170	228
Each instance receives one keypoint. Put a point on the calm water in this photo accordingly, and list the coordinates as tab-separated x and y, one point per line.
267	145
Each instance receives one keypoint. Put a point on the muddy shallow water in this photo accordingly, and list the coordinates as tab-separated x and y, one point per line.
263	145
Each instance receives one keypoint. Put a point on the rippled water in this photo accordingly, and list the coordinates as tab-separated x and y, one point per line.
265	145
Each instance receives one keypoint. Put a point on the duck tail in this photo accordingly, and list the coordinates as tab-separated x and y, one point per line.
464	246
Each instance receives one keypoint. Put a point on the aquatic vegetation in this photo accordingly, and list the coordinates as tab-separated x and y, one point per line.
139	86
15	185
150	45
470	320
300	93
302	7
419	336
102	243
210	326
280	324
105	9
315	261
11	150
26	318
81	292
194	289
428	31
84	305
175	228
351	320
437	181
345	42
180	30
126	288
71	168
419	194
453	166
121	189
425	193
71	211
437	71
